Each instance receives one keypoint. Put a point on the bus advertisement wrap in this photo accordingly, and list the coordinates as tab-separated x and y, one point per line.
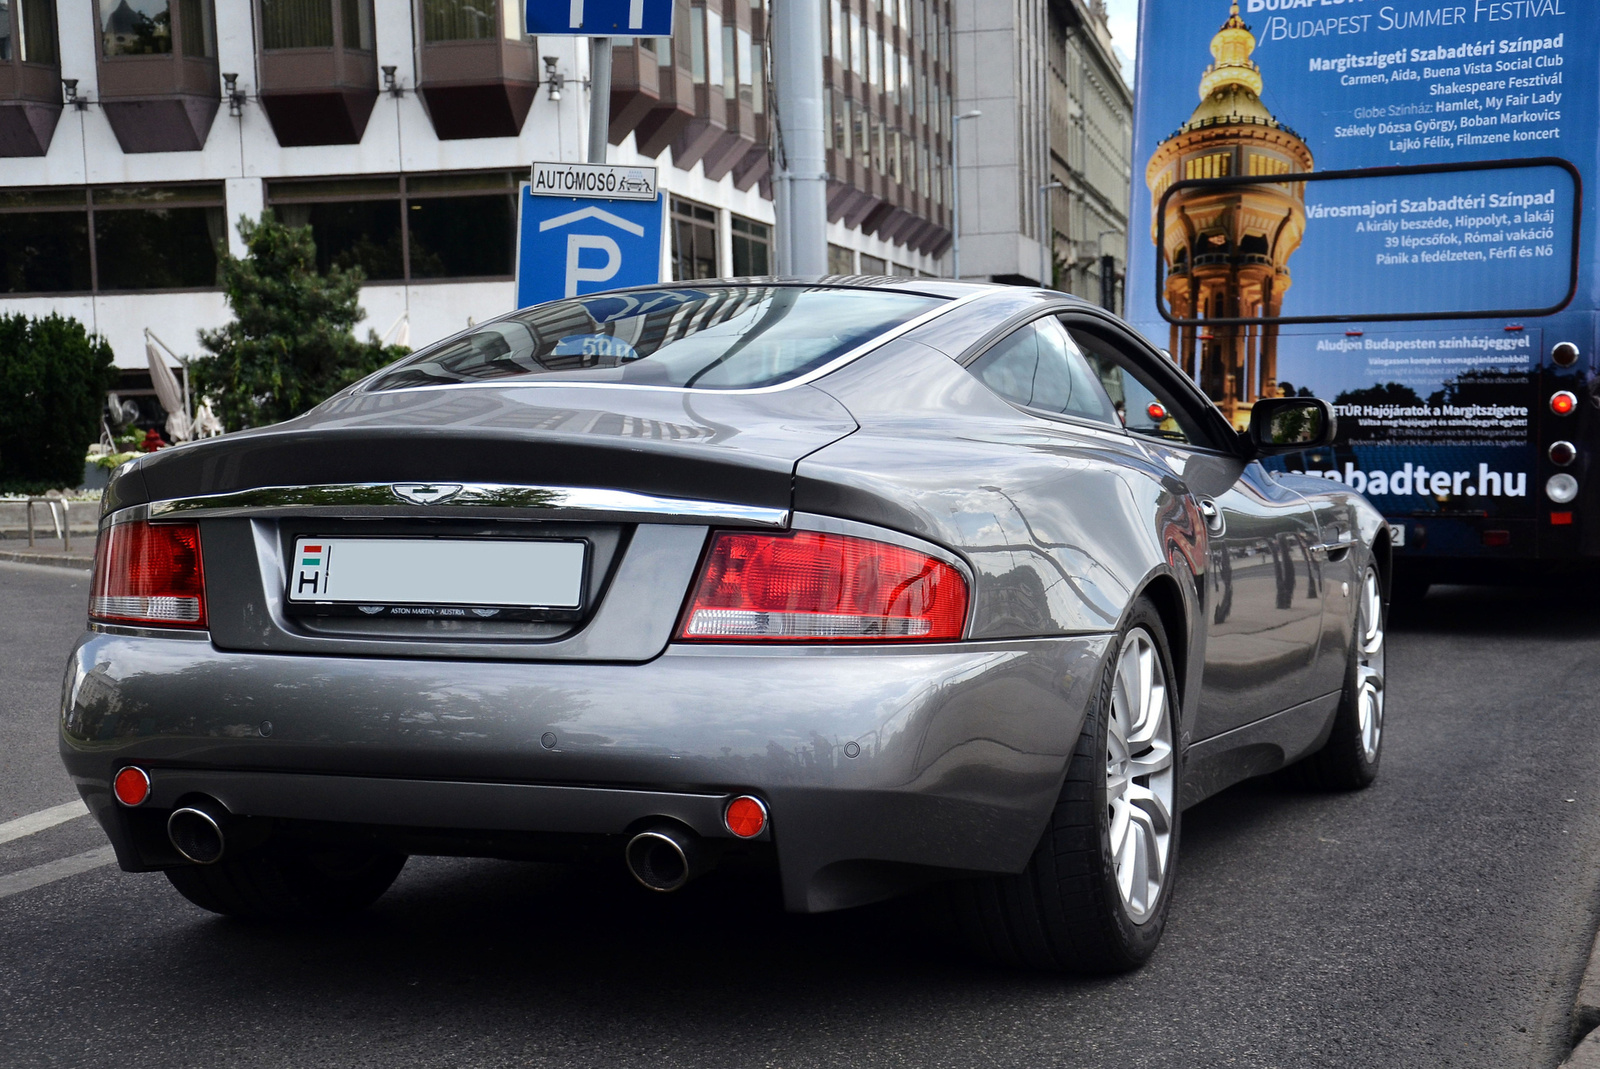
1422	303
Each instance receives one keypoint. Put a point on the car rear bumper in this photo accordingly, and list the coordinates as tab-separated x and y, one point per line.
877	764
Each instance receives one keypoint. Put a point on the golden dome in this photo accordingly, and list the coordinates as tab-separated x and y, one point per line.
1230	90
1231	49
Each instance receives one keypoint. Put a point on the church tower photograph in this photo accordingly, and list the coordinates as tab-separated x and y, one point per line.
1226	251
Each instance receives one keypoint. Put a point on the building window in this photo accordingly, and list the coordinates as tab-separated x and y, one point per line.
758	77
145	27
1216	165
841	261
469	20
296	24
44	242
694	240
747	54
130	31
28	31
414	228
697	43
75	240
873	265
309	24
752	247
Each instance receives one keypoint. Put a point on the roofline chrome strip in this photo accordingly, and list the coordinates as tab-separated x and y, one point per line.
876	342
454	499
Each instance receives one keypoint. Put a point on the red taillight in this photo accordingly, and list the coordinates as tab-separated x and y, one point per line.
1563	403
808	587
131	786
147	573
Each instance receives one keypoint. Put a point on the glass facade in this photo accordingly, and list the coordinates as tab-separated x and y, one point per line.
752	247
108	239
469	20
146	28
28	31
310	24
135	27
296	24
407	228
694	240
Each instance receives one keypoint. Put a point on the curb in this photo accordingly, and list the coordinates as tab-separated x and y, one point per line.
1586	1017
1587	1056
54	560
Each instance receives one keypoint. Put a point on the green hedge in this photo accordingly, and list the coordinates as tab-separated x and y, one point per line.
53	381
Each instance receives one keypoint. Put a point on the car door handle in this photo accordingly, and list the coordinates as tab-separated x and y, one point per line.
1212	514
1333	552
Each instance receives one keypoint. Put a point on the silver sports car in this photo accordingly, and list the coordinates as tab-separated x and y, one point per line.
877	582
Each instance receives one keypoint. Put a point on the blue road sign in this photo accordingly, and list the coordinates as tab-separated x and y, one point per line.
570	246
600	18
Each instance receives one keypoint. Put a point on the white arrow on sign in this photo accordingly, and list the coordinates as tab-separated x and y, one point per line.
592	213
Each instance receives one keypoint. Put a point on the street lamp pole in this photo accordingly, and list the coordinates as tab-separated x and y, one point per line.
1047	236
955	191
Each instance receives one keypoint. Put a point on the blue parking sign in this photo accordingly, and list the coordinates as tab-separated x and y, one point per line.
600	18
569	246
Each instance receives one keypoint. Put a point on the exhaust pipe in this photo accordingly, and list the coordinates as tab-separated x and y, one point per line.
196	831
664	857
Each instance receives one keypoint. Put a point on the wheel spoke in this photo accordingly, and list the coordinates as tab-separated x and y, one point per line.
1140	781
1157	758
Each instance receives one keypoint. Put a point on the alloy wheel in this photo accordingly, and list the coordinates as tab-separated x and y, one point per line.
1369	667
1140	778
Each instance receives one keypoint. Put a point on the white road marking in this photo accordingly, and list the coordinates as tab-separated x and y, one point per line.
44	818
51	871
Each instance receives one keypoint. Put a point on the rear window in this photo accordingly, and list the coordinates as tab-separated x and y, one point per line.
729	338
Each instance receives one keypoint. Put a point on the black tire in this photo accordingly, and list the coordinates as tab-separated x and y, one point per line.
283	881
1349	760
1064	912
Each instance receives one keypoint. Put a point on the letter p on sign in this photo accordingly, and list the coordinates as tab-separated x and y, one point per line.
577	273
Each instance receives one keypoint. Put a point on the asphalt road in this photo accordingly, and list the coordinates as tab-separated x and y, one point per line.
1441	918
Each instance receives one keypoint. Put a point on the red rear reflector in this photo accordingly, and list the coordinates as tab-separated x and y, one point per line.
1563	403
148	573
745	816
1497	538
803	586
1156	411
1561	519
131	786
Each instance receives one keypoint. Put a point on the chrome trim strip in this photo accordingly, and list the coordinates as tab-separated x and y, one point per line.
809	377
466	499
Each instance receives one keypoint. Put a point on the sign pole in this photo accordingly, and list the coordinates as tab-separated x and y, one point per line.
599	97
801	181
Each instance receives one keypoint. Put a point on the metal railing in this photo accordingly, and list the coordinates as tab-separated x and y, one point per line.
63	528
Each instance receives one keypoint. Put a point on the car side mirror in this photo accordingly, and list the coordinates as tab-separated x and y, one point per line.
1290	425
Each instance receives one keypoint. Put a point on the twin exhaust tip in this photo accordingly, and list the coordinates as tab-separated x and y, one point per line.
195	831
667	856
664	858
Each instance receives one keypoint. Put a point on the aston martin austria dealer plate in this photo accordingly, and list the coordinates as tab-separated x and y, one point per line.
427	576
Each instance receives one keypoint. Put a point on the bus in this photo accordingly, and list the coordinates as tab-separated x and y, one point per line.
1382	203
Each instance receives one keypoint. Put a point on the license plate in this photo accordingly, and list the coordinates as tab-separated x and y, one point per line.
486	578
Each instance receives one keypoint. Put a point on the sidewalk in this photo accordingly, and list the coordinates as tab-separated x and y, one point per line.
82	555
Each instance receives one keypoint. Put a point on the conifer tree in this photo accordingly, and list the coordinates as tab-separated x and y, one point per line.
291	344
